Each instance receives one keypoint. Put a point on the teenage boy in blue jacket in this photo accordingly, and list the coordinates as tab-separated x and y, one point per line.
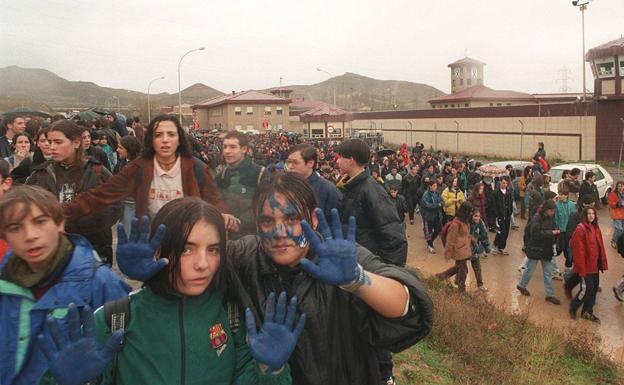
42	273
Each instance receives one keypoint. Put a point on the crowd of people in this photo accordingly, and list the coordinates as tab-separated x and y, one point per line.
265	259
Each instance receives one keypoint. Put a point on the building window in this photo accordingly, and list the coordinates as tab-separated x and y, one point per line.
491	104
621	59
249	110
267	110
238	111
452	105
466	104
279	111
509	104
433	106
605	68
499	104
446	106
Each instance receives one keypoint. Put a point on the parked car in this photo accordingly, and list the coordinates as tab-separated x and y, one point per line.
604	181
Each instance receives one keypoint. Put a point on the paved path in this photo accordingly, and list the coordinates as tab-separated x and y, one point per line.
500	275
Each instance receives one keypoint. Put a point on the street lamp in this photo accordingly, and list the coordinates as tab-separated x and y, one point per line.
457	137
521	136
330	76
149	107
179	89
118	106
582	4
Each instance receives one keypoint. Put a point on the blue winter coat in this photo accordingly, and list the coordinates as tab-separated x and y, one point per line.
431	205
327	194
84	281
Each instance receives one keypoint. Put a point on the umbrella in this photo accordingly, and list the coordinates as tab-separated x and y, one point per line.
29	112
386	152
87	116
492	171
98	110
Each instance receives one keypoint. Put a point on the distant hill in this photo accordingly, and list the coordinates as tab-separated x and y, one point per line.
42	88
365	93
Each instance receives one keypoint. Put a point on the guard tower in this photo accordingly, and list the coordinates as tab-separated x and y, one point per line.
466	73
607	64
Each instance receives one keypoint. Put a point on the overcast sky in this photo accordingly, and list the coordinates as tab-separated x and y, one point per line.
251	44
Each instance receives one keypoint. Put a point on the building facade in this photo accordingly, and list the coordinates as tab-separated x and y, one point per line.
243	111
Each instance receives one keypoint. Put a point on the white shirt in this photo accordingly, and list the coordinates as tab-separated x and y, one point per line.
166	186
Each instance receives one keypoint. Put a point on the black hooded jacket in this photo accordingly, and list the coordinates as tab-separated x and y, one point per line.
378	226
341	332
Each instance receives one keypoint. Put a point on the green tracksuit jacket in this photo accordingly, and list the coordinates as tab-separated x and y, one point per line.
185	341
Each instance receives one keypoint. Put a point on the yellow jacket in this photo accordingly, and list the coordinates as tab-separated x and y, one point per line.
450	206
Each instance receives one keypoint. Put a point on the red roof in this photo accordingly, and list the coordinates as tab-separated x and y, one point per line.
306	104
466	60
481	92
612	48
325	113
250	97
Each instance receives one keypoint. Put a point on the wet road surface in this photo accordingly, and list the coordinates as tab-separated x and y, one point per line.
501	275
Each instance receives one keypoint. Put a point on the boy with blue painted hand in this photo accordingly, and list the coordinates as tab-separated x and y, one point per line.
355	303
43	272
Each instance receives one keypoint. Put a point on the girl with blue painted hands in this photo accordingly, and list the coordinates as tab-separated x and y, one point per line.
184	326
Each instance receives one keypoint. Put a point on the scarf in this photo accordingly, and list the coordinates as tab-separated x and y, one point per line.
20	273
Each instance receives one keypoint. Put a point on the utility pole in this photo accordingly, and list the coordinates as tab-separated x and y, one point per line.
564	78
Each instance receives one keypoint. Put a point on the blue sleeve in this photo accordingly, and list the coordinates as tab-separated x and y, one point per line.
107	286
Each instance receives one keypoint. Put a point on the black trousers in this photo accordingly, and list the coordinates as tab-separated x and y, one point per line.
587	295
412	203
502	232
384	359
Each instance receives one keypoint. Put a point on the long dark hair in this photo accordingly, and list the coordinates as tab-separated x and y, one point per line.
464	212
73	132
184	147
180	215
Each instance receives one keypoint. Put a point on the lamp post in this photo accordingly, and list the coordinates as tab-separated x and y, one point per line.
179	89
118	106
582	4
521	136
457	137
330	76
149	107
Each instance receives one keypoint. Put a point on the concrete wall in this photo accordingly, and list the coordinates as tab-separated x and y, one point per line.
565	137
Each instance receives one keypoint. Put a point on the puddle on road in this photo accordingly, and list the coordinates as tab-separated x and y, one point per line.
501	275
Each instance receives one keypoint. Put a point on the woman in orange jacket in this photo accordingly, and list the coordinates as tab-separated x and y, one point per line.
458	246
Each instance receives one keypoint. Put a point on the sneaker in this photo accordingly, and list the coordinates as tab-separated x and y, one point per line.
502	252
613	244
617	294
553	300
572	313
523	291
521	268
390	381
417	211
431	250
557	276
482	288
590	317
454	285
411	221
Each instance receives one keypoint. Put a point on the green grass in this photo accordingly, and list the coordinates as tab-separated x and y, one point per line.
474	342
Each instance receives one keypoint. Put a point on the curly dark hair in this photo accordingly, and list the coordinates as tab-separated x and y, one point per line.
184	147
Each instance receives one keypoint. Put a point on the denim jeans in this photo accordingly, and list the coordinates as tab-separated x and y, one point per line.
618	229
547	267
